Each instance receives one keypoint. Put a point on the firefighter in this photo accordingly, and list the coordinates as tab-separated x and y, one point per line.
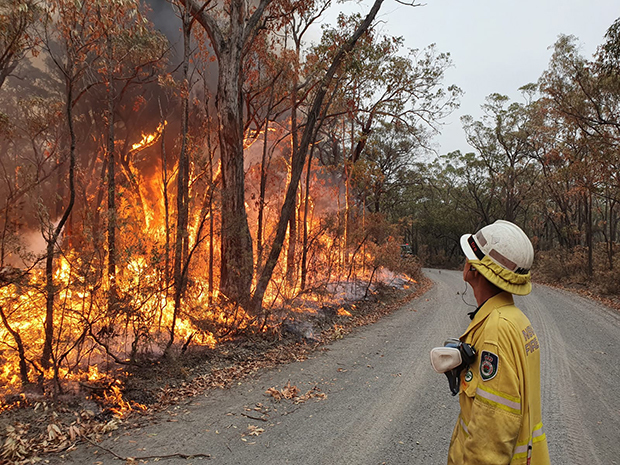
500	420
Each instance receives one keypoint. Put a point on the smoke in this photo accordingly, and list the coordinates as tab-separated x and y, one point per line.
166	21
32	246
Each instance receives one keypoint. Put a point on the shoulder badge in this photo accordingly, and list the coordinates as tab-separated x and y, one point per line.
488	365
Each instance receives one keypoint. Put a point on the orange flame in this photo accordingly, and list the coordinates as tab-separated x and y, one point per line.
149	139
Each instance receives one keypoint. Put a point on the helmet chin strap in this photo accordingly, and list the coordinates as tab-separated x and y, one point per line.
463	297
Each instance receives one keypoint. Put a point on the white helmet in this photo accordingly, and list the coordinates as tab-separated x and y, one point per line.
503	254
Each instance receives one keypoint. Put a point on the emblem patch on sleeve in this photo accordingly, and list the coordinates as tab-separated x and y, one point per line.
488	365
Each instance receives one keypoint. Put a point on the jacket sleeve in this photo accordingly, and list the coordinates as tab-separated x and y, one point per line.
496	414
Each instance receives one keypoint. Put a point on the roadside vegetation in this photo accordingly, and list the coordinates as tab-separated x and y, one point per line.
550	163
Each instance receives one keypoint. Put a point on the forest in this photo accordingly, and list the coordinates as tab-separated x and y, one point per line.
156	195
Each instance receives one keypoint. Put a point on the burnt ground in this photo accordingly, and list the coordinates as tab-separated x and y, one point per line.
34	427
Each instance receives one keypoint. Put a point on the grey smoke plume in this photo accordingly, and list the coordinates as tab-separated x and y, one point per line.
167	22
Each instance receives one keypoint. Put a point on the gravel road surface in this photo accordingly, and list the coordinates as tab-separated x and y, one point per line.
385	404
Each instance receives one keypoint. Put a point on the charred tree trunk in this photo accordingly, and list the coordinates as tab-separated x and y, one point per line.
292	222
236	260
23	366
304	253
261	196
291	250
182	186
299	159
236	267
164	182
212	183
97	207
54	233
112	295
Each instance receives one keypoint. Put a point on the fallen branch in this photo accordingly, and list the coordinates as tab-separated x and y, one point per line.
98	389
148	457
254	418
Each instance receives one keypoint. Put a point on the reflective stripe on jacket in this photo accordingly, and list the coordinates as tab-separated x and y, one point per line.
500	420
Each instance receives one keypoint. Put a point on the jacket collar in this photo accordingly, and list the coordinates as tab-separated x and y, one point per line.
499	300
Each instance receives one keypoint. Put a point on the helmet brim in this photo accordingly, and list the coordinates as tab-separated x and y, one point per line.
467	250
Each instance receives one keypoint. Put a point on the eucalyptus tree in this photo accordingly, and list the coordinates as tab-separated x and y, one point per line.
70	41
231	29
17	36
381	174
316	112
432	206
480	192
587	91
381	85
131	54
502	142
89	46
584	96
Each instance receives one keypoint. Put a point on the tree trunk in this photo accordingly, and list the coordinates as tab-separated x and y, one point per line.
164	182
304	256
212	182
612	234
588	206
298	161
52	237
237	259
261	195
182	185
291	250
111	188
292	222
23	366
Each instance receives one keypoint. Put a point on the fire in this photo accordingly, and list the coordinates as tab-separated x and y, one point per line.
253	135
121	407
94	326
343	312
93	373
149	139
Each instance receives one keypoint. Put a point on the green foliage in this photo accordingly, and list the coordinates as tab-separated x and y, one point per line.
608	55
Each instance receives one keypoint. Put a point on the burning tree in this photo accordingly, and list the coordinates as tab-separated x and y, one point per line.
164	211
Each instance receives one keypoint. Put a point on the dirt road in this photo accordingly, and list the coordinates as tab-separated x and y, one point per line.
384	402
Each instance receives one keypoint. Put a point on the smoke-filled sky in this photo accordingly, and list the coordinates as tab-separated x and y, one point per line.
495	45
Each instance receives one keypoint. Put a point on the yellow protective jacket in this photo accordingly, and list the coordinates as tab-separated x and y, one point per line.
500	420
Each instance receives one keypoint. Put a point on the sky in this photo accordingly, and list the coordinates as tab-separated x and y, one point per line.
496	46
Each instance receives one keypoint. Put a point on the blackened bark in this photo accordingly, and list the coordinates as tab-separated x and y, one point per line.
291	251
304	253
212	183
111	186
52	236
23	366
182	185
236	267
237	260
261	195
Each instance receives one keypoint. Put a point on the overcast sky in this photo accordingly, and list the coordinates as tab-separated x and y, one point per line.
495	45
